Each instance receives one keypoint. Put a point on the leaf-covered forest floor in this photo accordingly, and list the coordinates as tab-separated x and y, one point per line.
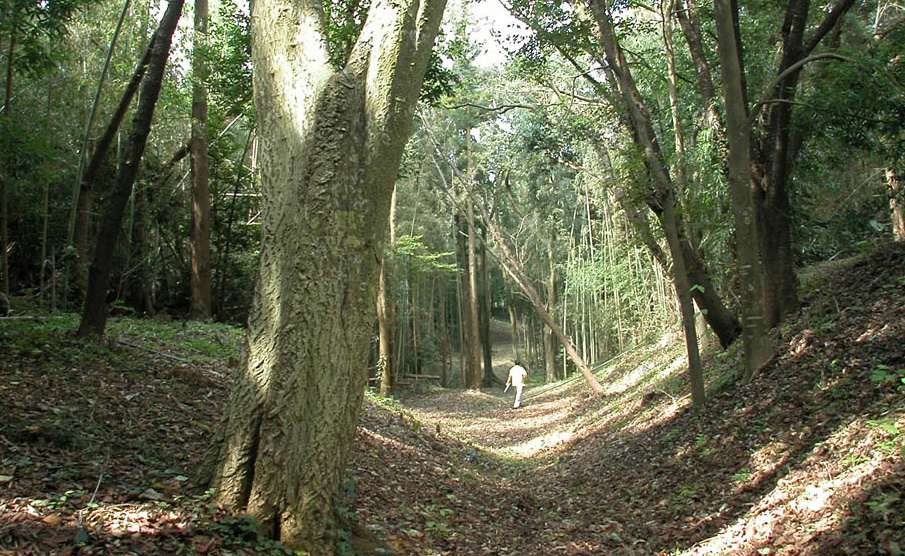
97	445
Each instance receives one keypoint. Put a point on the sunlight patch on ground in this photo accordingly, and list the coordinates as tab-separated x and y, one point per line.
642	373
539	443
812	499
131	519
116	519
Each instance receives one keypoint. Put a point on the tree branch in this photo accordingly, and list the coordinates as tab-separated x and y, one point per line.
765	98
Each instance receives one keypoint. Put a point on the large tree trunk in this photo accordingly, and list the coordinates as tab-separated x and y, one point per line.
94	314
473	341
201	193
331	142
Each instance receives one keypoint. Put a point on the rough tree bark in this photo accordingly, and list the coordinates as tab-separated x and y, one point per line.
94	313
331	142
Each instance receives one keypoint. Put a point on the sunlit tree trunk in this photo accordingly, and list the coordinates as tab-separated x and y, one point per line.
201	193
331	142
896	203
386	324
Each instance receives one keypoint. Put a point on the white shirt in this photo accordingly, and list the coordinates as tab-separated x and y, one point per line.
517	375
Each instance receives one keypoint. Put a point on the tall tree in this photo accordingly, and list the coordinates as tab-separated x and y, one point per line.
88	182
200	170
385	321
661	195
332	136
758	349
775	150
94	313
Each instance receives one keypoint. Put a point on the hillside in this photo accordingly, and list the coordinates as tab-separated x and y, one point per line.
97	444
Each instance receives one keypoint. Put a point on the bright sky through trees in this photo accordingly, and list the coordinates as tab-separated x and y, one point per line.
493	29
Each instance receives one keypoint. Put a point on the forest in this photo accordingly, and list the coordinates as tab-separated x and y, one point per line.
265	269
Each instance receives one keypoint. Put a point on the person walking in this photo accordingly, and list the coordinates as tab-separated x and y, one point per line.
517	377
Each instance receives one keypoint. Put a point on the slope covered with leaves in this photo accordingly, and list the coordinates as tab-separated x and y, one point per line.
97	445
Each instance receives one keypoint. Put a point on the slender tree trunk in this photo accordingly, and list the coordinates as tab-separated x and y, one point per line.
386	324
460	242
201	193
94	314
223	252
385	327
549	338
513	327
662	197
689	21
758	349
445	351
686	305
331	143
896	203
4	200
86	136
88	182
486	317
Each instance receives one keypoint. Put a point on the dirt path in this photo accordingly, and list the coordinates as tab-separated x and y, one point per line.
487	420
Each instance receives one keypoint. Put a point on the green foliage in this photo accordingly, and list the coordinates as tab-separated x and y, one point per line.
35	25
344	20
414	256
884	374
230	60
